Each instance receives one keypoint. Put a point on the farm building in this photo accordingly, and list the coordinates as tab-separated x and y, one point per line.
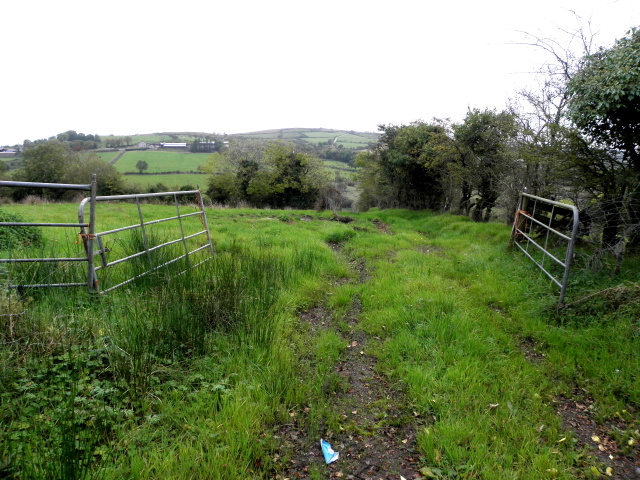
173	145
7	152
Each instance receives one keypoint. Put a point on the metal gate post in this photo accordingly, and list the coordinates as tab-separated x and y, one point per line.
144	234
91	238
569	257
184	242
204	218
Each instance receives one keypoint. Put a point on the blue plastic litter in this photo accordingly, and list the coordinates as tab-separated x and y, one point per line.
329	455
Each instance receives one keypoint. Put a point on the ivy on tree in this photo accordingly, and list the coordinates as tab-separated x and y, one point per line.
605	97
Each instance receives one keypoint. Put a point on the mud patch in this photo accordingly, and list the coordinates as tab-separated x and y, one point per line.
376	435
317	317
531	351
577	417
382	227
372	425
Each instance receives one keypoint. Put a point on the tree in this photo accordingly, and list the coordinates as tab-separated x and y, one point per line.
79	167
43	163
274	175
51	162
207	144
605	97
228	180
486	141
407	168
604	104
141	165
286	178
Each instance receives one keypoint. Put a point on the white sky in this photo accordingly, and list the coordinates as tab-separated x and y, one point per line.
138	66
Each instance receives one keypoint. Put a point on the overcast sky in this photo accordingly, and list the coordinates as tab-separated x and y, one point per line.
137	66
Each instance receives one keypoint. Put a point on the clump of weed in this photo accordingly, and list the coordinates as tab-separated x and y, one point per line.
12	309
619	299
339	236
17	236
61	417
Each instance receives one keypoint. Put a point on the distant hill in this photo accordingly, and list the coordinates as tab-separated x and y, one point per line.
317	136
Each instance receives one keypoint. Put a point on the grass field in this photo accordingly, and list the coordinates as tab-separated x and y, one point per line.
160	162
339	166
107	156
238	369
171	180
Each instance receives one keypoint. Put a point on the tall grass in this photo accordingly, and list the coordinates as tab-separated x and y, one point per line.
213	339
452	307
189	376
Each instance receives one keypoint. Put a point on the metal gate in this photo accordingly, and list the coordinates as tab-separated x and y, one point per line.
147	247
545	231
94	245
88	227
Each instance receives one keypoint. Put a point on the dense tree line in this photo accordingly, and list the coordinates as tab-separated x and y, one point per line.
207	144
71	140
117	142
577	139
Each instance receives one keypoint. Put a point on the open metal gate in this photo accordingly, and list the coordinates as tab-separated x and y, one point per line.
545	231
147	247
88	228
94	245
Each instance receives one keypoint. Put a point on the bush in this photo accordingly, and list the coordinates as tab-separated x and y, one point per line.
17	236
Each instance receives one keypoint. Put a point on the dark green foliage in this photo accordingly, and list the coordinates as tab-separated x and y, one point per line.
275	175
333	152
484	138
17	236
604	104
62	430
207	144
78	141
52	162
407	168
43	163
605	97
141	165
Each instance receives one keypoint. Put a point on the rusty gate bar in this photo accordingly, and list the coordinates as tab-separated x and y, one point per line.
87	241
521	234
142	224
